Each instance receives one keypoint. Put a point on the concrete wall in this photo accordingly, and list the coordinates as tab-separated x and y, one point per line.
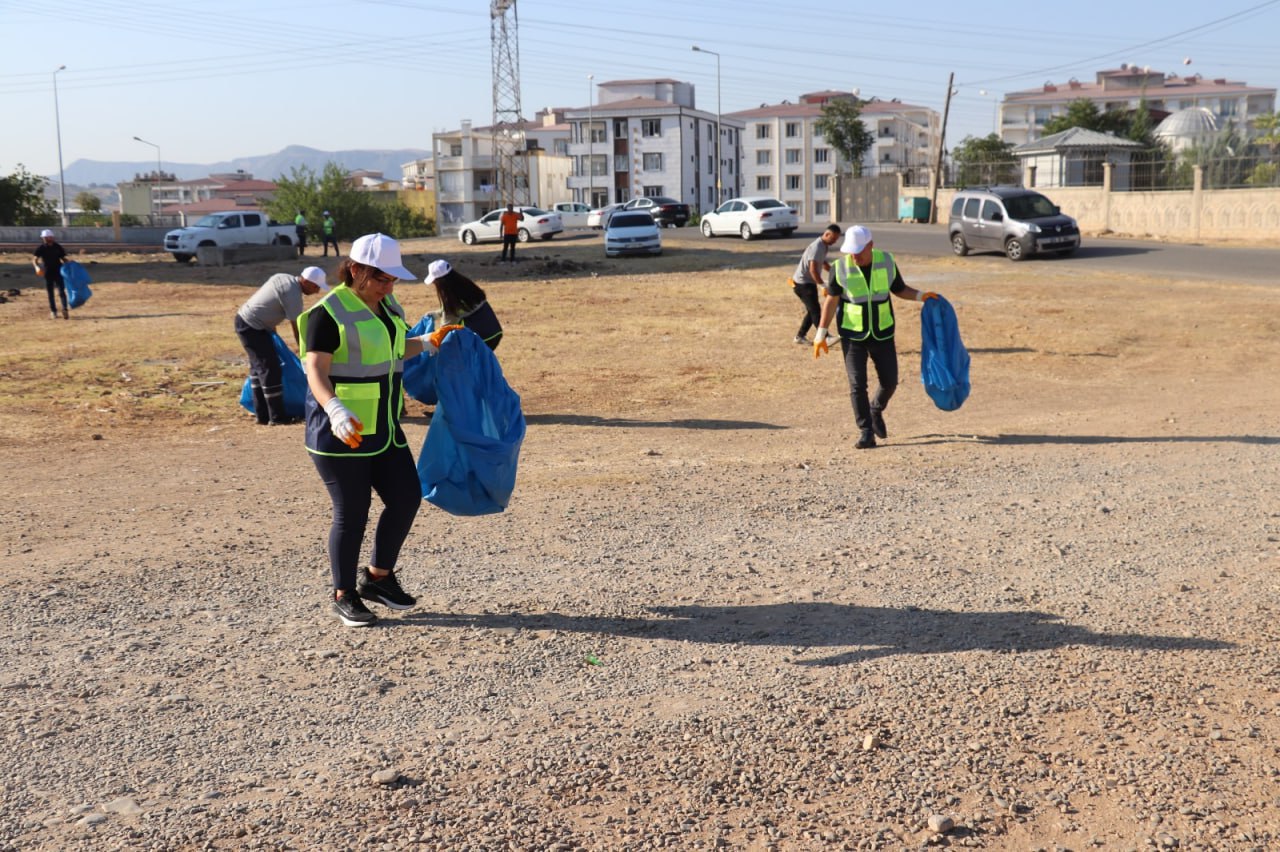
70	237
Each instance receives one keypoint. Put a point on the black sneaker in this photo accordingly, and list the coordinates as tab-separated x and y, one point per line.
866	442
351	611
385	591
877	423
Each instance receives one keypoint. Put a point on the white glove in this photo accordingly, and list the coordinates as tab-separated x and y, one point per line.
344	425
429	347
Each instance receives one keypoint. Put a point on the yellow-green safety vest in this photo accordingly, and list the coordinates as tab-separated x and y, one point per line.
866	311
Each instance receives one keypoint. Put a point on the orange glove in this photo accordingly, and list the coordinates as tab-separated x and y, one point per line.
820	344
926	295
437	337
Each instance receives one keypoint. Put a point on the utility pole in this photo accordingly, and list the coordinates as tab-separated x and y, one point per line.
942	142
510	157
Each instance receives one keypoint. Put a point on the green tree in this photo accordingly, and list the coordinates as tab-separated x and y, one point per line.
403	221
841	125
355	212
22	200
1269	126
88	202
984	160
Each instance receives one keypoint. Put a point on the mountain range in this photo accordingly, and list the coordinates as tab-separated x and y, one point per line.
263	167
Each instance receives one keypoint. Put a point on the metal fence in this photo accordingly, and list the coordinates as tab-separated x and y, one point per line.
1146	170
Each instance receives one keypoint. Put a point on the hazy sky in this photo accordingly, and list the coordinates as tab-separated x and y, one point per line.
212	81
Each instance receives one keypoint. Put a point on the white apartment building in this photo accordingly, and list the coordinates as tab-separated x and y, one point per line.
784	156
647	137
1023	114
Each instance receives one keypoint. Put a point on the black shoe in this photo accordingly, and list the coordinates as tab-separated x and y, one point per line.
351	611
284	421
802	340
385	591
866	442
877	423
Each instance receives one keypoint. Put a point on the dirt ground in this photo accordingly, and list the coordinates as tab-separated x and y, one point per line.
705	621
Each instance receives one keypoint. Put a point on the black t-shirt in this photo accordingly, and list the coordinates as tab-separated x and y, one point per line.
322	330
51	255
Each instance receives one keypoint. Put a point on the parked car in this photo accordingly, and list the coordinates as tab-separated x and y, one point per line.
750	217
1019	222
537	222
573	214
665	211
599	218
227	229
632	232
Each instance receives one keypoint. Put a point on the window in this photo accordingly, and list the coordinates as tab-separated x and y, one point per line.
793	156
620	128
793	181
792	129
990	210
763	158
971	208
561	147
711	163
821	209
799	208
764	183
597	133
711	133
821	155
651	127
763	131
653	162
711	195
455	149
252	220
651	191
820	181
599	164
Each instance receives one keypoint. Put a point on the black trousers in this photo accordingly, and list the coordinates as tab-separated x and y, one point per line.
330	239
302	240
509	245
266	376
884	355
53	281
808	293
351	481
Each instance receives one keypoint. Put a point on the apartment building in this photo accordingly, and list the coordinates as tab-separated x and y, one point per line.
784	155
647	137
1023	114
159	193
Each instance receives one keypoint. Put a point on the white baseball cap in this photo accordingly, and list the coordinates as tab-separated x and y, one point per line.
46	233
382	253
856	239
437	269
316	276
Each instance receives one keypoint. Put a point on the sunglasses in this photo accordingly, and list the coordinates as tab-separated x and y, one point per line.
380	277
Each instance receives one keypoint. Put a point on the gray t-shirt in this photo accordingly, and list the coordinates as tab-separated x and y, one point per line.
816	252
278	300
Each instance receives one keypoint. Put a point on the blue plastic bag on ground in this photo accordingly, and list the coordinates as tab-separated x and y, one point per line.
419	378
295	382
944	362
76	279
468	461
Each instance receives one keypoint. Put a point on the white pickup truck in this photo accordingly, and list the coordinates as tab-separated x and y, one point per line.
227	229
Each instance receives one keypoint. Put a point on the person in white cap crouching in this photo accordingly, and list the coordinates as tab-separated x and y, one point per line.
276	301
858	290
48	263
355	342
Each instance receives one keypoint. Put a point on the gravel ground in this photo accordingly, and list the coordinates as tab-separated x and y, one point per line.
1045	621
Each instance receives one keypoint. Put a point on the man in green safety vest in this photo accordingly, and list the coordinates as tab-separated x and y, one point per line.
859	289
330	237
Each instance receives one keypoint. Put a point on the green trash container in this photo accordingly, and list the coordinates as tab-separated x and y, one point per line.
913	208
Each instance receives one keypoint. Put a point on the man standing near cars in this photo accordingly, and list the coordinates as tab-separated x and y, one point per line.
810	273
330	227
277	300
48	260
859	290
300	228
510	232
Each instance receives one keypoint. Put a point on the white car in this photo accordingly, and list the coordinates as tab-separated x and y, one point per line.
572	213
631	232
599	218
750	217
488	228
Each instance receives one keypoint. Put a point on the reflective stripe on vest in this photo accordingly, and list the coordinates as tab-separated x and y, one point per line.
865	308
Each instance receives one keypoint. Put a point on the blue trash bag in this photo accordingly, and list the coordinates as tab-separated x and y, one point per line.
419	376
468	461
295	382
944	362
76	278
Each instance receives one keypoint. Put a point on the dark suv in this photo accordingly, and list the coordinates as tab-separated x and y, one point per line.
1019	222
667	212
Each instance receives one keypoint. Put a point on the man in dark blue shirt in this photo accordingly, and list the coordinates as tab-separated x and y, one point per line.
48	262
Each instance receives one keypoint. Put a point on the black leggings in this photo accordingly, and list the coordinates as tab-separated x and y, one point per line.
55	282
808	293
350	481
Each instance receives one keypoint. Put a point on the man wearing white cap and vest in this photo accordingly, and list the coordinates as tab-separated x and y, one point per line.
47	260
858	293
355	342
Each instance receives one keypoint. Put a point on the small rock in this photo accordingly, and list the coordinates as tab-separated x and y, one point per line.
940	824
386	777
93	819
1167	841
123	806
870	742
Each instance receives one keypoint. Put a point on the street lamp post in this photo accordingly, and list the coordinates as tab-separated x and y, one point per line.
717	56
995	104
57	123
159	172
591	138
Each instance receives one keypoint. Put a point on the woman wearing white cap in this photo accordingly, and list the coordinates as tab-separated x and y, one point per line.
48	262
355	342
462	302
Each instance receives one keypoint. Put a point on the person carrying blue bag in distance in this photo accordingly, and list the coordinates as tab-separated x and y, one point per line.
858	291
355	341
